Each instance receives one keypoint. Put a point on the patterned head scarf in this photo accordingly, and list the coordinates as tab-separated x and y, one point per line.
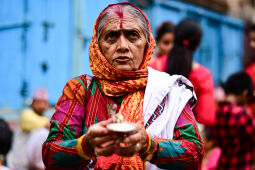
115	82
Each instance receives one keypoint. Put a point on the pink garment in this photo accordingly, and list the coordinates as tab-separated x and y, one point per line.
212	159
202	81
159	63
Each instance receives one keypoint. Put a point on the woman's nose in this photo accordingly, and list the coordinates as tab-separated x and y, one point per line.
123	44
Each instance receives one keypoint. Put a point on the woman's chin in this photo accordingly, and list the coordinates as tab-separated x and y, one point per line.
124	68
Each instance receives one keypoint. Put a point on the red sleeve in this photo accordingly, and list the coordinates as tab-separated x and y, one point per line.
251	71
204	110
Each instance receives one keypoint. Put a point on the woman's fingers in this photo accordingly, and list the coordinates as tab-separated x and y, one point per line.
105	151
98	134
128	150
98	141
104	141
99	129
134	143
105	122
134	138
139	136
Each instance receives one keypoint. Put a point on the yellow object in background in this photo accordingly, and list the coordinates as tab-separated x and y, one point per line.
30	120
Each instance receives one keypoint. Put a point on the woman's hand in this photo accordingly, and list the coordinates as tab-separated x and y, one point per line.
101	139
135	142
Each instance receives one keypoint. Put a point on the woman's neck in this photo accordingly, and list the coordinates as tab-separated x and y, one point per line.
235	99
160	54
195	65
231	98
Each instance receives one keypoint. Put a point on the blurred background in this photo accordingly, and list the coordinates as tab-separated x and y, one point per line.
44	43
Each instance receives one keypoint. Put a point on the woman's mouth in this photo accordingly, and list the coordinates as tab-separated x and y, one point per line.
122	59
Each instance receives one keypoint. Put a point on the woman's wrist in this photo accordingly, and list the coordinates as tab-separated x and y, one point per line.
89	145
84	148
147	153
146	144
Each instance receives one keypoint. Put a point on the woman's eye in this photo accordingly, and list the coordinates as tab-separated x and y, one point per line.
166	42
111	36
134	34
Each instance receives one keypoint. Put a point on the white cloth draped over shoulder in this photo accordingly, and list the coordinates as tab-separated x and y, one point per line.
179	92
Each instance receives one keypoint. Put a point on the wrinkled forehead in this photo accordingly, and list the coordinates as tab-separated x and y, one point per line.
128	21
116	9
117	13
122	14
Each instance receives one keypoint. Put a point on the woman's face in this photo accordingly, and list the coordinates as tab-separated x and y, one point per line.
166	43
252	40
40	105
122	42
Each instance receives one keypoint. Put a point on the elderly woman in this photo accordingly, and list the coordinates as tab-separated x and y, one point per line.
158	105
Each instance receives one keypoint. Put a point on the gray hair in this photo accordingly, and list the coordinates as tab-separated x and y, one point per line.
131	10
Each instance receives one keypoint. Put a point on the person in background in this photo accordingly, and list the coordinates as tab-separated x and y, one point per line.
165	42
212	152
31	119
5	142
234	130
219	94
188	34
34	148
249	61
249	58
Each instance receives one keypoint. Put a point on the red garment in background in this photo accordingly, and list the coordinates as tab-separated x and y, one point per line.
202	80
204	110
159	63
234	133
250	69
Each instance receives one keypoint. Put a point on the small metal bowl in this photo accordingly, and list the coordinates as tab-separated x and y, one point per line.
121	129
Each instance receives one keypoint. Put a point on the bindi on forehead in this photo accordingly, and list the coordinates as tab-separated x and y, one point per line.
119	11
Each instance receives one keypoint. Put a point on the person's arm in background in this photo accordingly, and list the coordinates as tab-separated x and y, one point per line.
205	111
60	151
185	150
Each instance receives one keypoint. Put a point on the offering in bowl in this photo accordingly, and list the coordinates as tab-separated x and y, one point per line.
118	126
122	127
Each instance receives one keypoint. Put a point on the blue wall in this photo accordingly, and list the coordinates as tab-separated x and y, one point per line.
25	50
26	45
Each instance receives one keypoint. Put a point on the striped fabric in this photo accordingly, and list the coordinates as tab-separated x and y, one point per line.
78	108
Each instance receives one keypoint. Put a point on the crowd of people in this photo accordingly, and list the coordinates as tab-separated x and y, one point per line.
180	119
226	113
24	145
